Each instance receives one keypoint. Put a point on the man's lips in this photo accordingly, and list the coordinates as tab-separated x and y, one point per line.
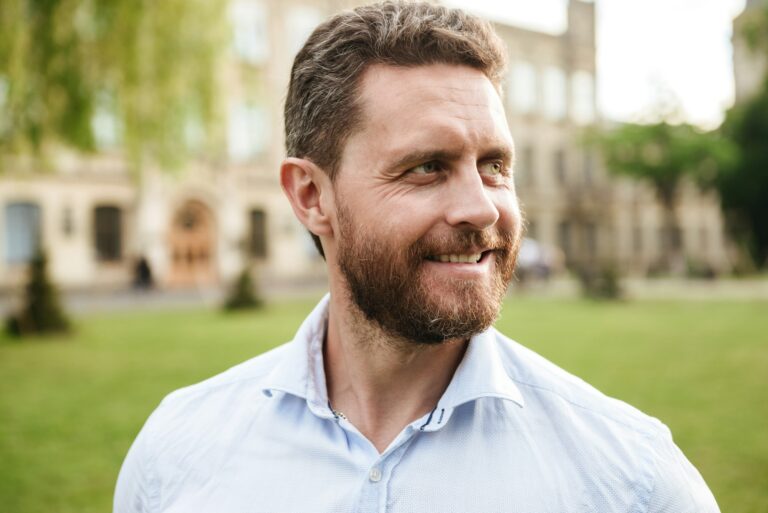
464	257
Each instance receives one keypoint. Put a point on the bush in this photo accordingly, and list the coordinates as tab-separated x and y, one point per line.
600	282
41	311
243	294
699	271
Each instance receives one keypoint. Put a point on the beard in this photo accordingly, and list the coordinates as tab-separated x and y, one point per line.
389	286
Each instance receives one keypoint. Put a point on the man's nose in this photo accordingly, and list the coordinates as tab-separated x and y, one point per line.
470	203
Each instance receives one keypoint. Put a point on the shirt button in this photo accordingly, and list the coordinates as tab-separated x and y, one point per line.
375	475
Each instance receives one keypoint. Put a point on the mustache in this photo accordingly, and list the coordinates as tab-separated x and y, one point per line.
463	241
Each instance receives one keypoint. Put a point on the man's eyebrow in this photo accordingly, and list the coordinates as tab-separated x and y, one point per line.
415	157
503	153
419	156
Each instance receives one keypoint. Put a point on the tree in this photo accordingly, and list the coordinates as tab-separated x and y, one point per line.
149	65
663	155
743	187
41	311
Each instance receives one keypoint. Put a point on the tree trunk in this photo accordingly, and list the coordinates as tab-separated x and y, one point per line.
673	256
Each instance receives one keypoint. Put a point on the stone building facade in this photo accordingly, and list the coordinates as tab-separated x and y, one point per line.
199	227
572	203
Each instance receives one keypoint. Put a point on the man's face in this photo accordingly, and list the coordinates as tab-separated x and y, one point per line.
428	224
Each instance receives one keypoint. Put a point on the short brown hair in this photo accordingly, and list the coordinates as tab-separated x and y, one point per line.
322	108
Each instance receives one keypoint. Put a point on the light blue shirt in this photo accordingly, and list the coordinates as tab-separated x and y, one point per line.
512	433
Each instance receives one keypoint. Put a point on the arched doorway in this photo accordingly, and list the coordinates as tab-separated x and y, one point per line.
192	244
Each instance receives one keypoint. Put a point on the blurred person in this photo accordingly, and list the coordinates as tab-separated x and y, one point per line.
397	394
142	274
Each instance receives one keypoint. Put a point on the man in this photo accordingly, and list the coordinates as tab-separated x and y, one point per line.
396	394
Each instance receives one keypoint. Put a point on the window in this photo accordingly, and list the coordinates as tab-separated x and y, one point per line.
250	31
524	169
108	233
590	234
257	243
67	222
637	240
669	239
564	237
22	232
104	123
248	131
559	166
583	98
522	87
554	93
589	167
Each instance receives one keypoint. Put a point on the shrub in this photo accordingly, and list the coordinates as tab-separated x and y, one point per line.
41	311
243	294
600	282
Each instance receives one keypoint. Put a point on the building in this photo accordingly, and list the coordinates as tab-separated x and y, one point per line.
750	68
199	228
196	228
570	200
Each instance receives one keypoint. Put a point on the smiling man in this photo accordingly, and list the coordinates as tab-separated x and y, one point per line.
396	393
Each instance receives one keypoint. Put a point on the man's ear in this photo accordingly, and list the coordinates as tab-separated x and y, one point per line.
309	190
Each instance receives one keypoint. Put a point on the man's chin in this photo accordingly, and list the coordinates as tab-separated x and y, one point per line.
448	311
455	294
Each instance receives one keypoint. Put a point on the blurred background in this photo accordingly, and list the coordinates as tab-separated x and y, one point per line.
140	144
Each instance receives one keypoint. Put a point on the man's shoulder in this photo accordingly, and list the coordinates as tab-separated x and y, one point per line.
545	383
616	443
222	394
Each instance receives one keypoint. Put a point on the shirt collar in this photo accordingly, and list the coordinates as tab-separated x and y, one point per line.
301	371
481	372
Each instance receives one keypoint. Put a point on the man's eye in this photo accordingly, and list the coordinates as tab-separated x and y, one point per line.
493	168
426	168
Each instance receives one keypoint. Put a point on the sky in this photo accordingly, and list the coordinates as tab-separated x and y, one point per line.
648	51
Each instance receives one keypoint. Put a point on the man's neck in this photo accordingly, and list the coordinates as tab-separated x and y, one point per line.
379	382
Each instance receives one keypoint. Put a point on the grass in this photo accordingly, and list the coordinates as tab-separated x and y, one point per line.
69	408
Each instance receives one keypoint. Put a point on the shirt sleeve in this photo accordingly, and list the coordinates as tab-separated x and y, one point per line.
138	489
678	486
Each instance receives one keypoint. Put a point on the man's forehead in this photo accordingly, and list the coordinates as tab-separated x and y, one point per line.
396	97
427	82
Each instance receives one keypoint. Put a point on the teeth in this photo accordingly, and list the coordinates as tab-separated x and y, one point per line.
465	259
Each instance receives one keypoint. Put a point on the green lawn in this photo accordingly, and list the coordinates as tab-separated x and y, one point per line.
69	408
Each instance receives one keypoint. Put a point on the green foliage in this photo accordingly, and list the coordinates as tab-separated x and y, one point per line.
41	311
151	65
744	186
600	282
663	154
243	295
